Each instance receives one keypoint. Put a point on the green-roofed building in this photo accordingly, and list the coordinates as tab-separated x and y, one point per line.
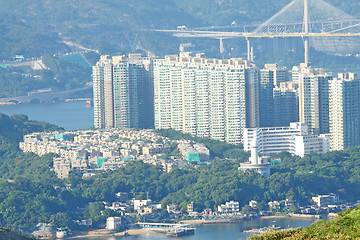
127	159
100	162
62	136
193	157
275	162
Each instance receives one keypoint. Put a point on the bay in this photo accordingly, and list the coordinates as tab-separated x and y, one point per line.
228	231
69	115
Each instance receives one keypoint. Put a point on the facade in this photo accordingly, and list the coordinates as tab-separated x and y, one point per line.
122	92
313	97
138	204
256	163
271	76
190	207
286	104
345	111
206	97
194	153
229	207
113	223
253	203
294	139
325	200
62	167
89	151
311	143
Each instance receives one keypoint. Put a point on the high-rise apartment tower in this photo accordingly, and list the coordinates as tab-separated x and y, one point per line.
345	111
122	92
313	97
271	76
206	97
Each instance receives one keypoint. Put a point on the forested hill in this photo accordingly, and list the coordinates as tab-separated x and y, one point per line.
7	234
37	27
13	128
13	162
30	192
345	226
54	30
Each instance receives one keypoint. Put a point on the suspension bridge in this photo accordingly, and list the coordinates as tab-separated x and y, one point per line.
317	22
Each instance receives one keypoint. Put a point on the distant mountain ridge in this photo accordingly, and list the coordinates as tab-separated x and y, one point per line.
45	28
38	27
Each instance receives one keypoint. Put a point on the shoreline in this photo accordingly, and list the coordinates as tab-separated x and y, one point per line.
219	221
292	215
129	232
196	222
274	216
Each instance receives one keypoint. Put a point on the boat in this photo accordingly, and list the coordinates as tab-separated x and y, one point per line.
89	103
177	232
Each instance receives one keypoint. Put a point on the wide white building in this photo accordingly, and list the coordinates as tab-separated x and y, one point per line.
256	163
294	139
113	223
229	207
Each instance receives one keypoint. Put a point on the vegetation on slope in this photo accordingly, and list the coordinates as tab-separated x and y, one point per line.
15	127
6	234
60	75
37	28
34	28
217	148
30	193
345	226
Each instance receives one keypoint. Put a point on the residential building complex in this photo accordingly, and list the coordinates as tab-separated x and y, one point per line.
294	139
219	98
198	152
206	97
113	223
286	104
345	111
325	200
313	97
89	151
122	92
229	207
271	76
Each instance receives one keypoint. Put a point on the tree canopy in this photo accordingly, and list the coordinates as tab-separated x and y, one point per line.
30	192
345	226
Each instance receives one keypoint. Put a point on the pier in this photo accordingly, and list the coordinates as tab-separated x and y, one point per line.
162	225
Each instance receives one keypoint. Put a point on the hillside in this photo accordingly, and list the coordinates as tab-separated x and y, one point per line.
33	28
30	193
345	226
48	27
6	234
13	128
13	162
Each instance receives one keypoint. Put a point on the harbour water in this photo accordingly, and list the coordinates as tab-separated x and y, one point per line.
227	231
69	115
